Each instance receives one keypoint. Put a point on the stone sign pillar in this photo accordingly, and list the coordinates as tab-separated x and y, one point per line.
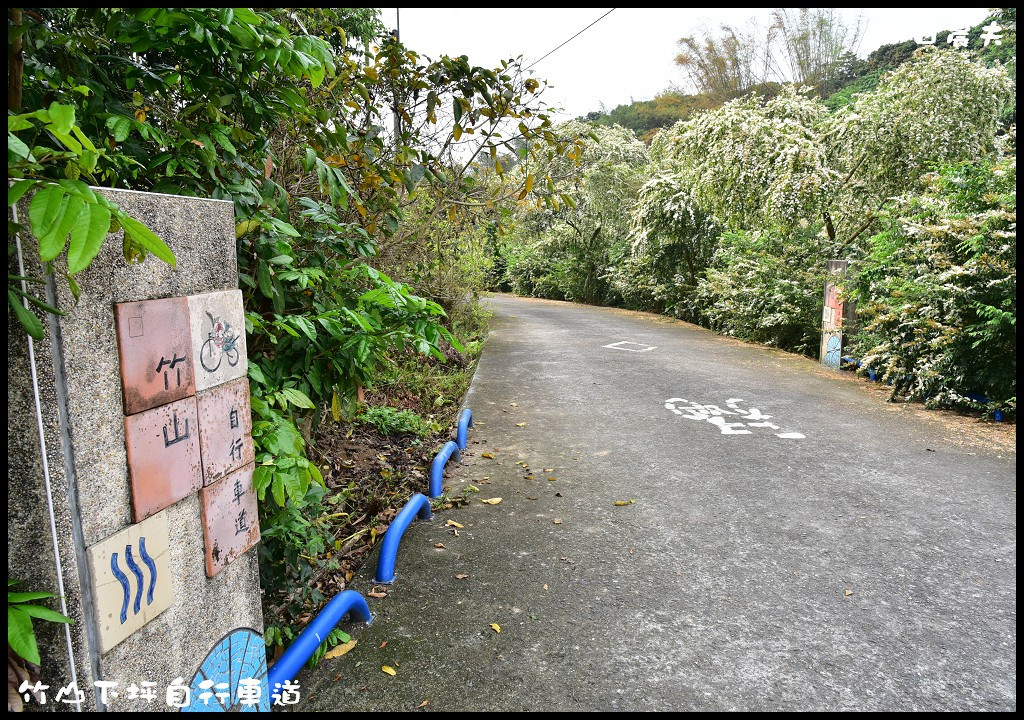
832	318
130	464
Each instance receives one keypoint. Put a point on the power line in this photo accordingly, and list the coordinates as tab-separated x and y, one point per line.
535	62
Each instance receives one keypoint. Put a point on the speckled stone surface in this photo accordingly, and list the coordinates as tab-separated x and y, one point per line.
87	461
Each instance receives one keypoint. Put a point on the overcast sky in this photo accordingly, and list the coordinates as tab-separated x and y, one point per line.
626	56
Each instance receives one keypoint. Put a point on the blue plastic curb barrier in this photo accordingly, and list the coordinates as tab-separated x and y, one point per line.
417	505
465	422
437	467
289	664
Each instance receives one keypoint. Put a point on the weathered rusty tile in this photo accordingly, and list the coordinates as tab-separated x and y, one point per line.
230	518
154	342
218	337
131	575
225	428
163	456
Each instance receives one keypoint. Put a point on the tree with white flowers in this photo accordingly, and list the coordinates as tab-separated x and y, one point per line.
941	107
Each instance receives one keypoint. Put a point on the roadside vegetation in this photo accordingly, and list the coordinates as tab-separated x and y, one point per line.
367	181
903	164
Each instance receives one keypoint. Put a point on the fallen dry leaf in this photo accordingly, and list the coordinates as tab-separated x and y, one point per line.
487	455
621	503
462	576
388	669
491	501
452	523
423	704
514	404
473	488
552	479
496	627
545	586
557	521
439	546
383	644
530	476
376	594
337	678
849	593
340	650
520	424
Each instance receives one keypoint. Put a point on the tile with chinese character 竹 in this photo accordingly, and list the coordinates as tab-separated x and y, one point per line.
154	344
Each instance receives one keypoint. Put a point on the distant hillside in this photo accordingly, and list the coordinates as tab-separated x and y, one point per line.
646	117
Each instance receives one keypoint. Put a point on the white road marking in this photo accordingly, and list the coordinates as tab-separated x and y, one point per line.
643	348
715	415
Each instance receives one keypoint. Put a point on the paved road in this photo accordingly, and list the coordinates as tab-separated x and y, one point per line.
869	564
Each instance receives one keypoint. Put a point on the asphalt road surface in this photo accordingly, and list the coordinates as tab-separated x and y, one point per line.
791	542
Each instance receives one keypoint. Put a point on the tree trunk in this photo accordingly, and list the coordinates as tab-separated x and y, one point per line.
15	62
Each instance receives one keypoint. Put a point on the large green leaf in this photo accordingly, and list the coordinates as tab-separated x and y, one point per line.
18	189
277	488
46	209
52	244
298	398
16	146
20	597
20	635
45	613
28	319
119	127
147	239
62	117
87	236
263	277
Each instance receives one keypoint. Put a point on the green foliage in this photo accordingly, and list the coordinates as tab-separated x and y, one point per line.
767	288
937	292
744	204
65	215
849	92
281	464
581	218
21	636
444	256
391	421
644	117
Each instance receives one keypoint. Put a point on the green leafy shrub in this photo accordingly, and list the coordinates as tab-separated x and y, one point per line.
767	288
938	291
391	421
21	636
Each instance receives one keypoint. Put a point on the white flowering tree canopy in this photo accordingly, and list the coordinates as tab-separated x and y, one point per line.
940	107
752	163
